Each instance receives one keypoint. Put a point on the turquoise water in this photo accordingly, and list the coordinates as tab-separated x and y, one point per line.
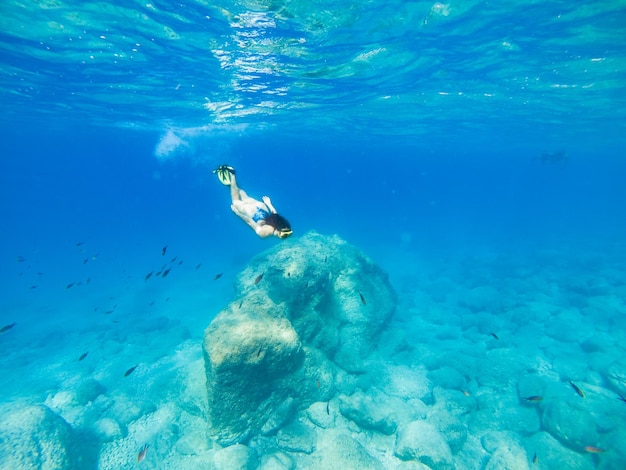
426	134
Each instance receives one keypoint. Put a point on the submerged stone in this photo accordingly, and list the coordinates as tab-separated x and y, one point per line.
306	310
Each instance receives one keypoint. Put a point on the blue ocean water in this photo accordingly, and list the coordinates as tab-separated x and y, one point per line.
420	132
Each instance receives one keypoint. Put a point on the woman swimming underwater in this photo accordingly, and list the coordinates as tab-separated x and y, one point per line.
260	215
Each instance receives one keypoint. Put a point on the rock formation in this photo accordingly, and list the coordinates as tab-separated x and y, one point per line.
307	311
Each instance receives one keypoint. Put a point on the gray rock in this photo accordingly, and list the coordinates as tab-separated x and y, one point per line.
372	410
616	375
297	437
420	440
511	457
277	461
35	437
571	422
283	413
283	338
88	390
552	454
107	430
322	414
450	426
343	453
493	440
236	457
247	359
448	377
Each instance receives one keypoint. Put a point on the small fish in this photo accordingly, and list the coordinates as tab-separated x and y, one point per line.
164	250
577	389
325	258
130	371
142	453
594	450
217	276
362	299
79	243
7	327
180	262
88	280
167	299
198	266
466	393
535	459
494	335
621	398
327	407
259	352
21	259
33	287
148	276
240	304
158	273
318	384
83	356
173	259
70	285
108	312
166	272
85	260
533	398
152	303
258	279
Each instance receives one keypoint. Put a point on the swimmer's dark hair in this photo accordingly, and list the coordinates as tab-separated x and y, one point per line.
279	223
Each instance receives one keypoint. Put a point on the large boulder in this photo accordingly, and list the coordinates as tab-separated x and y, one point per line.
305	311
36	437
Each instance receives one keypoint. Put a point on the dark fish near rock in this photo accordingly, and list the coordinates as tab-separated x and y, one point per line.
7	327
577	389
217	276
533	398
258	279
327	407
164	250
621	398
142	453
362	299
494	335
82	356
130	371
594	450
535	459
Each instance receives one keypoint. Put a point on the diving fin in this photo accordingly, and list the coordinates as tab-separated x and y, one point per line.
224	173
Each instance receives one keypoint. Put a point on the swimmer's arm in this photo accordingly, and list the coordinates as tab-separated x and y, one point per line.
269	205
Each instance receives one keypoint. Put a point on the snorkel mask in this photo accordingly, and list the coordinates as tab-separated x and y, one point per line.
284	233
